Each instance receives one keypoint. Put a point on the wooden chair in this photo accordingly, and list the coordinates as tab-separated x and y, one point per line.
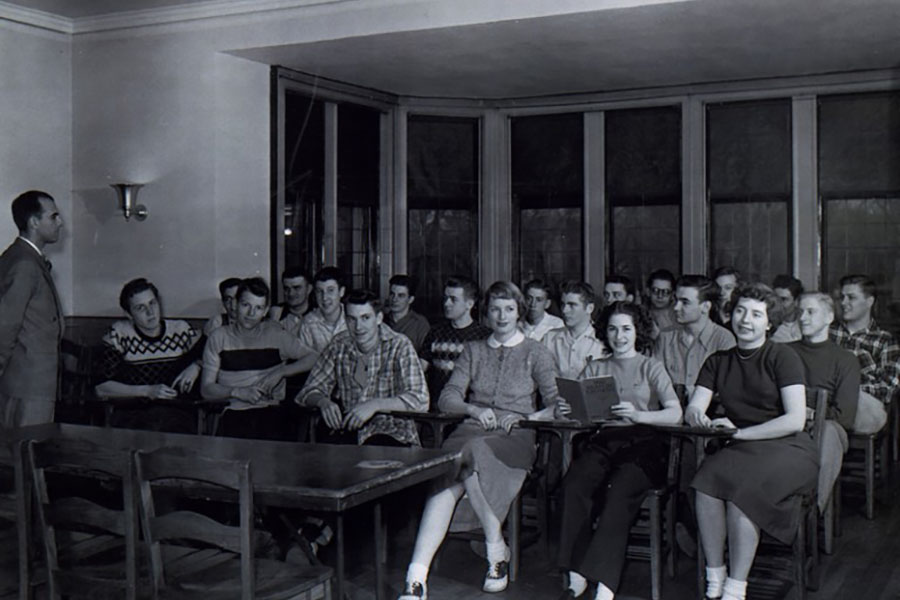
868	456
83	537
195	556
658	515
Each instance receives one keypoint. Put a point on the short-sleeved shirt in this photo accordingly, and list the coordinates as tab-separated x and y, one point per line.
641	380
391	370
412	325
441	348
830	367
240	358
749	383
571	354
683	358
541	328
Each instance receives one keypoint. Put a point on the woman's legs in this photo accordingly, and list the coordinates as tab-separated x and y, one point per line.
713	528
491	525
743	538
433	527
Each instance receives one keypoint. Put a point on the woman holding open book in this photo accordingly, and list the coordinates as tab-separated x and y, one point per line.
494	383
618	464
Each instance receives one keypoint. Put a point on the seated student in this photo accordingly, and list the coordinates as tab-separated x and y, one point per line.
660	292
875	348
297	285
538	321
228	293
148	356
615	470
754	482
444	343
728	279
618	288
788	290
830	367
373	369
246	363
325	321
494	384
575	344
399	315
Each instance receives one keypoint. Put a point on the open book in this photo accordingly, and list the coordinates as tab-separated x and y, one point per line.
591	398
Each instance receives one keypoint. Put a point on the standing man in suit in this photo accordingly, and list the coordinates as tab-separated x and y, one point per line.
31	320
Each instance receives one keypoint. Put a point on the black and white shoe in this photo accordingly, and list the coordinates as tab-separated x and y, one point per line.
497	577
414	590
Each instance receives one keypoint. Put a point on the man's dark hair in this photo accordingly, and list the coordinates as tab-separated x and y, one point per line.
622	279
360	297
581	288
294	272
330	274
27	205
791	284
132	289
722	271
663	275
540	284
469	287
643	324
228	283
707	289
256	286
408	281
864	282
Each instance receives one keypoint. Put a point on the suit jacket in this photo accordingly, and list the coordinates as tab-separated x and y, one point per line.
31	324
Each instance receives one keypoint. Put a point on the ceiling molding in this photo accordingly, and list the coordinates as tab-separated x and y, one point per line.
35	18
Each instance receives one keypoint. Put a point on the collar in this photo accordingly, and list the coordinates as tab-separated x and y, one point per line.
589	332
30	243
704	336
517	338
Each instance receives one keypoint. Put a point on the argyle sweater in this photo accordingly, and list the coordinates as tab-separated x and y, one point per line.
132	358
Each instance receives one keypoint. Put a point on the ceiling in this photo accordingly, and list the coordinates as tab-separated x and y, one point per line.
653	45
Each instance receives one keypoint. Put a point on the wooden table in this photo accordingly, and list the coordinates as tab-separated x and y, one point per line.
319	477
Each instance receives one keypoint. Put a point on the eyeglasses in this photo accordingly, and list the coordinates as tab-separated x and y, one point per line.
660	291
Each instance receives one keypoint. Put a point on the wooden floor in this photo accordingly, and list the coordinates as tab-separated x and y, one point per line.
865	565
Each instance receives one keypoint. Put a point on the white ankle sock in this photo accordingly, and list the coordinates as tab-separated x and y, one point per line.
715	578
577	583
497	551
734	589
603	592
417	572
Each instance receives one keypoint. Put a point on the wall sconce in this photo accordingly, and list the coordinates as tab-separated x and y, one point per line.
128	193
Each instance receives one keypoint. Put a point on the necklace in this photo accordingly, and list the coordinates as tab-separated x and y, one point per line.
749	356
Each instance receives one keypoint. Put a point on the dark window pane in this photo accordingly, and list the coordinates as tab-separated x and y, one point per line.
547	155
643	189
859	145
749	171
442	192
359	145
304	180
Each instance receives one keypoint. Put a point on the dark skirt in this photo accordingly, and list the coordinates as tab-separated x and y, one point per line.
765	479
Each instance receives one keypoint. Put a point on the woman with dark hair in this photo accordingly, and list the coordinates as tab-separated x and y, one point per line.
618	465
494	383
755	481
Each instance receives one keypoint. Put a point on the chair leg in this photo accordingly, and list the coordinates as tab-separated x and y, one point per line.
870	477
837	500
828	522
655	546
800	561
812	581
671	516
514	521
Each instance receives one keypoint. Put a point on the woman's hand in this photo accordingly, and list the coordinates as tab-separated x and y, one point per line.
510	420
626	410
696	417
563	409
723	423
160	391
487	418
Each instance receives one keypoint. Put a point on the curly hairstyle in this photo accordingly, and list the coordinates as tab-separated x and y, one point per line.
505	290
643	324
761	293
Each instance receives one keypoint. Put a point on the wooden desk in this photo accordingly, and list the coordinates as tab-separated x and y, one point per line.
320	477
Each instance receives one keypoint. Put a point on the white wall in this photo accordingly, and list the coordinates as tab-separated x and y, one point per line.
36	133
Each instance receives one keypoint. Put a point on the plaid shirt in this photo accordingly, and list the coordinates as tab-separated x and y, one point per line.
878	355
393	370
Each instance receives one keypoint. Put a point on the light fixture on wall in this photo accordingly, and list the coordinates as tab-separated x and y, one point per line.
128	193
